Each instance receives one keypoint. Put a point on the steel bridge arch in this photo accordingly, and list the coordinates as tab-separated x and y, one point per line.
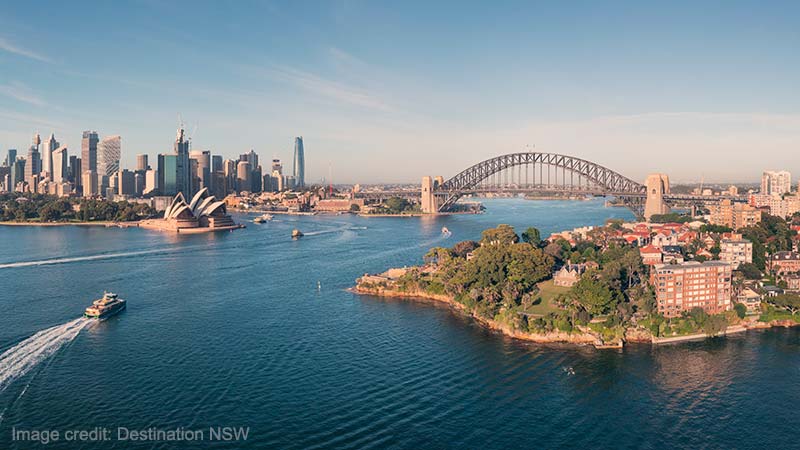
607	181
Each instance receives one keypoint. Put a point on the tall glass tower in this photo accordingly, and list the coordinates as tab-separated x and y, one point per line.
299	167
89	150
109	151
183	177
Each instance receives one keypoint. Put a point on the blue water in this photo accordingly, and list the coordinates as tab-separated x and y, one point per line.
231	329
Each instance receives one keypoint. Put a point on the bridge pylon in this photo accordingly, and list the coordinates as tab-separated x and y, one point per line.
657	185
429	201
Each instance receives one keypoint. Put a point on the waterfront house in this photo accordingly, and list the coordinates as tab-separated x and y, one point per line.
650	255
750	298
569	274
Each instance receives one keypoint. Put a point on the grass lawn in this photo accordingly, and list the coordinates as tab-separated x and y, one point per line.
548	291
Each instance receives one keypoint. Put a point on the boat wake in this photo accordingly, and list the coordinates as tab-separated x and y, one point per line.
45	262
327	231
21	358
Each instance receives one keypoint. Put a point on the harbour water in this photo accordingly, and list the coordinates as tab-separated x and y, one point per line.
254	329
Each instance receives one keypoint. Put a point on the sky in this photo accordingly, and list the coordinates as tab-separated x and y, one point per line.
392	91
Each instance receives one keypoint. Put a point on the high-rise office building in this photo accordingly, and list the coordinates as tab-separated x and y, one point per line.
167	174
150	182
229	170
60	172
138	181
33	165
252	158
183	176
89	150
48	148
255	180
11	156
109	151
75	170
17	172
243	174
216	164
89	183
126	182
141	162
299	166
776	182
203	158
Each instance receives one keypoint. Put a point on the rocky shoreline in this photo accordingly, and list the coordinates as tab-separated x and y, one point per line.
583	338
380	286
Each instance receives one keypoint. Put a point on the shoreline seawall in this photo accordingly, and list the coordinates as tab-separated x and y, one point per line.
103	223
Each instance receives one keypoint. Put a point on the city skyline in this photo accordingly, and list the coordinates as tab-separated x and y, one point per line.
697	87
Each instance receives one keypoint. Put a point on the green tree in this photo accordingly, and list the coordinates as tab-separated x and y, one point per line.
750	271
463	248
789	302
741	310
354	208
502	235
715	324
594	293
532	236
396	205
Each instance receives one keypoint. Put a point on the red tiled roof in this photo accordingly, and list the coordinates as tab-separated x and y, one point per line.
649	249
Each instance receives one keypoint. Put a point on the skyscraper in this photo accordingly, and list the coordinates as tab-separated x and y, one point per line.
251	157
150	182
216	164
11	157
126	182
108	154
75	170
229	169
183	177
89	151
59	158
49	147
34	163
167	173
299	166
141	162
243	176
89	183
203	158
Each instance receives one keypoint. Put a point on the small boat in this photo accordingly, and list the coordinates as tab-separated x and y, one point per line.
263	218
445	231
296	233
105	307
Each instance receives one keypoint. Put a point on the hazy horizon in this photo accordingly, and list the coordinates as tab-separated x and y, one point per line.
391	94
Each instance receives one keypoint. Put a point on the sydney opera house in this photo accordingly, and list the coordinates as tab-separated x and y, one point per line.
203	213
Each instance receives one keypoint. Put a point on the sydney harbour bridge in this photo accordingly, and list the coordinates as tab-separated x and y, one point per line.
560	175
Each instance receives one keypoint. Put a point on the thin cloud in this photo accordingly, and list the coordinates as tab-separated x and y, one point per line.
331	89
28	120
19	91
11	48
